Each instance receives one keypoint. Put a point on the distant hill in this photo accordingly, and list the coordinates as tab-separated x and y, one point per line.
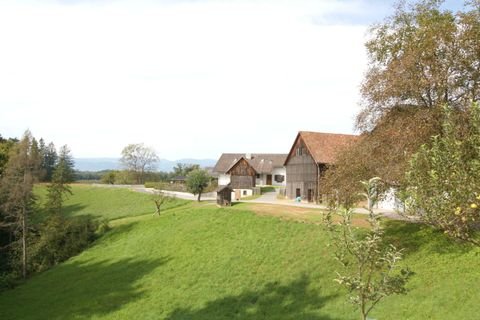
99	164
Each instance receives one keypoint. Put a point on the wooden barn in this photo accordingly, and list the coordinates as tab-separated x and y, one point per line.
224	196
269	167
308	159
242	175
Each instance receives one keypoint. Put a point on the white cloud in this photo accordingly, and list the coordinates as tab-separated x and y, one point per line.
192	79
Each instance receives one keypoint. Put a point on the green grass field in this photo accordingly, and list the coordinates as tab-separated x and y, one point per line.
104	202
198	261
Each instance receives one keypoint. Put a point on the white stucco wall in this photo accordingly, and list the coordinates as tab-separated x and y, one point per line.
390	201
243	193
223	179
282	171
262	181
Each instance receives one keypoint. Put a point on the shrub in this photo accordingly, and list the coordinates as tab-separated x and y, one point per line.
370	266
443	186
7	281
60	238
166	186
109	177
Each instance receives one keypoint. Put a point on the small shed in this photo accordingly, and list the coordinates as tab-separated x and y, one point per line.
224	196
242	174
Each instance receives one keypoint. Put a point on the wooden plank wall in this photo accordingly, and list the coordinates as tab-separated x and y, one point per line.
242	175
301	173
242	182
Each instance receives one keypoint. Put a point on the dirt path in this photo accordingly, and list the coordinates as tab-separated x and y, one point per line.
270	198
268	204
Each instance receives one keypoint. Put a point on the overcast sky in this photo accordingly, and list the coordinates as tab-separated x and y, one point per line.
188	78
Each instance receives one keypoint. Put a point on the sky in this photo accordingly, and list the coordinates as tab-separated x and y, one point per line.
191	79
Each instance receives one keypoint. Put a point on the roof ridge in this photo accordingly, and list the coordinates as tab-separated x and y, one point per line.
330	133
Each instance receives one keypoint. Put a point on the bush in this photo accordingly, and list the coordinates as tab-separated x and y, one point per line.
7	281
109	177
166	186
267	189
59	239
443	186
103	226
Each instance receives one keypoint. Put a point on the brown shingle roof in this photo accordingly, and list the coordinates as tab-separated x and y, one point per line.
261	162
323	146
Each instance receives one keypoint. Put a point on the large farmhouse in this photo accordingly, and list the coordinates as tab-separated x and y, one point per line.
308	159
245	171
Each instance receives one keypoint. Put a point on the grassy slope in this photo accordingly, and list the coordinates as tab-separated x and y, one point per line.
201	262
109	203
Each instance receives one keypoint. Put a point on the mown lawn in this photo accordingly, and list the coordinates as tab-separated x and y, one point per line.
106	202
202	262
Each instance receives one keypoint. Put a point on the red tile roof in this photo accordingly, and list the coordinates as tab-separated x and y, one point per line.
323	147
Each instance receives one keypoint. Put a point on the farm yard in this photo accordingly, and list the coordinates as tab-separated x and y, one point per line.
240	160
248	261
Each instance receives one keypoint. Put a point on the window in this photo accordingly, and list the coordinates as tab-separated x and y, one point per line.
258	175
279	178
244	192
300	151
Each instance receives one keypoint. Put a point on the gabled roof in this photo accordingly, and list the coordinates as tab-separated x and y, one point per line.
238	161
323	147
261	162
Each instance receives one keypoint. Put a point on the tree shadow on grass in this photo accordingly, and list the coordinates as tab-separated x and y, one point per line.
413	237
71	209
42	213
82	289
294	300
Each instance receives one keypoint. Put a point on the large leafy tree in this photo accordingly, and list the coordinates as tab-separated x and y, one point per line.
443	180
384	152
420	58
17	195
139	159
197	181
183	169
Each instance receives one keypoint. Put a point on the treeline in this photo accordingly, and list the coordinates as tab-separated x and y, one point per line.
34	237
119	176
131	177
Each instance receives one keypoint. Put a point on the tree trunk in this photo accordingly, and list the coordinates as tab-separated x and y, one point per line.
24	245
24	232
199	194
364	314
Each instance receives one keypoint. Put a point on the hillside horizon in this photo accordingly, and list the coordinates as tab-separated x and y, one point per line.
111	163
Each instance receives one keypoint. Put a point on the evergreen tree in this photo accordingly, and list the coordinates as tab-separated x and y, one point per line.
49	161
63	174
5	147
17	191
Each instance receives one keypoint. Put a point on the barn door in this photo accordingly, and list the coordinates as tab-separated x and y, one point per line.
310	195
269	179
